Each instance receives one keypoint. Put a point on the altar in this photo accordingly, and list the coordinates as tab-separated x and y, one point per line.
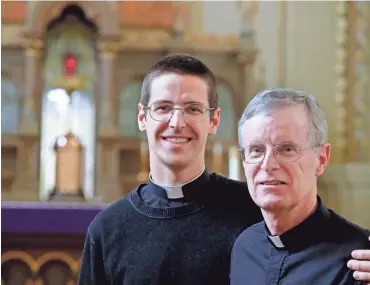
42	242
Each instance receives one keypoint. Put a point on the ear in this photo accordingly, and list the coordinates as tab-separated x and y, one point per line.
141	118
215	121
323	159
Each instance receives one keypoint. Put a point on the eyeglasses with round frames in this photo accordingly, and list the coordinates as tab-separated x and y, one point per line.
163	112
284	152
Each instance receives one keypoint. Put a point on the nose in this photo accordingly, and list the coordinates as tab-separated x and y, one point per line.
270	162
177	120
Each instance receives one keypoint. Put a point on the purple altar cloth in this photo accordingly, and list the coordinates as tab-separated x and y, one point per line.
47	218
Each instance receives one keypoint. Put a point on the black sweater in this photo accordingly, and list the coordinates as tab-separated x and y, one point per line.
133	243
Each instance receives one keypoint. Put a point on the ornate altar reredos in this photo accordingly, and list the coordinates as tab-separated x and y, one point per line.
71	79
82	74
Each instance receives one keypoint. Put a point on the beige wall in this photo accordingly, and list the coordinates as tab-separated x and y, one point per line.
310	52
296	42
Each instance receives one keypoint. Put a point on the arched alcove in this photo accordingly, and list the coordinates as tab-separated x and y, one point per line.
70	46
101	13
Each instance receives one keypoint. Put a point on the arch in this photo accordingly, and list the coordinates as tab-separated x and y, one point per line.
58	113
101	13
36	263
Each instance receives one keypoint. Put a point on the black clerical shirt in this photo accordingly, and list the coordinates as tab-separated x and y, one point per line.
313	253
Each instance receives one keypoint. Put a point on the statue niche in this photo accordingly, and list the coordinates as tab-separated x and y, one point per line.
68	107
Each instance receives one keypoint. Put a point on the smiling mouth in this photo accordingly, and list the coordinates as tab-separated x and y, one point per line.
177	140
273	183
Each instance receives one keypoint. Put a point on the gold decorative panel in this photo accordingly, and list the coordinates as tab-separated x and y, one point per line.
360	72
353	82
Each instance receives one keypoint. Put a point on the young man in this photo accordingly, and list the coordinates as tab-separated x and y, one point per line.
300	240
180	227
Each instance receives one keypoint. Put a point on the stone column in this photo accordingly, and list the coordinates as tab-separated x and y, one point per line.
247	86
30	111
108	186
27	180
107	122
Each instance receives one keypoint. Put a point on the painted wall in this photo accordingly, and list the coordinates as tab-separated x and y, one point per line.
296	42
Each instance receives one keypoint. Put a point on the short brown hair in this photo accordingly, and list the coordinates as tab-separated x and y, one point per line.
181	64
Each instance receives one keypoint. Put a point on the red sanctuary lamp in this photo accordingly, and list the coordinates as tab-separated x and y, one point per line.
72	80
70	65
68	147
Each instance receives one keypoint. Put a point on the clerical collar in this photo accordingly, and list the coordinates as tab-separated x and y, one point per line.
303	234
175	192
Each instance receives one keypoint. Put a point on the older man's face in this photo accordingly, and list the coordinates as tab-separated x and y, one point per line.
275	182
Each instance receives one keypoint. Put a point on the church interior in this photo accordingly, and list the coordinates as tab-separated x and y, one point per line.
71	74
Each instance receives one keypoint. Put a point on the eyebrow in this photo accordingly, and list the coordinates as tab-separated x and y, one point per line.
283	142
184	103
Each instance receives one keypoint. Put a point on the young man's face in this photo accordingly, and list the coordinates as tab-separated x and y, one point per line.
276	183
178	142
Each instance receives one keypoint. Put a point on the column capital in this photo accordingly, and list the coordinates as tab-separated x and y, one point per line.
108	47
34	46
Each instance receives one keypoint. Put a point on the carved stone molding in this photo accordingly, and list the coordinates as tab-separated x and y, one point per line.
34	46
108	48
151	40
101	13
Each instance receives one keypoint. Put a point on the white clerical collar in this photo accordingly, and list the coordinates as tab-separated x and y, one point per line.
175	192
276	240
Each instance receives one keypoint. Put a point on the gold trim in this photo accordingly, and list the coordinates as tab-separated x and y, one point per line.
340	153
360	69
108	48
142	40
33	46
36	264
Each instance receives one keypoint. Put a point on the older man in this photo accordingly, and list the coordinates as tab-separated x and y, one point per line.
283	139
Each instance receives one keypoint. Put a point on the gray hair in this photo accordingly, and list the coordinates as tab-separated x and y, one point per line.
271	99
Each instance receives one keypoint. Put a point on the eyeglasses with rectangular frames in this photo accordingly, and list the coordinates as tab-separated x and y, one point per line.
284	152
163	112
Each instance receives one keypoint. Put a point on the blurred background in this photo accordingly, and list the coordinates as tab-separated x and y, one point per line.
71	74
